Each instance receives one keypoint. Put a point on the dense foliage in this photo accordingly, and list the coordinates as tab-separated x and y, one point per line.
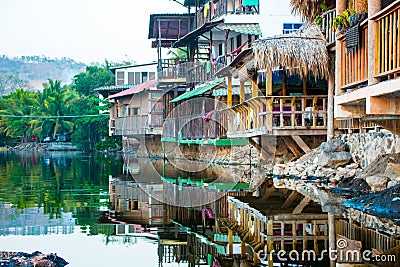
59	110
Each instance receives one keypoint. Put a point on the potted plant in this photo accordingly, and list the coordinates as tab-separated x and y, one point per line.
342	21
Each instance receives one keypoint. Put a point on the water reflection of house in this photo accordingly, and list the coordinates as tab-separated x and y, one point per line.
137	198
33	221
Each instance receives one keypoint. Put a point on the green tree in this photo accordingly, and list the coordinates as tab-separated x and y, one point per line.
53	104
16	108
92	78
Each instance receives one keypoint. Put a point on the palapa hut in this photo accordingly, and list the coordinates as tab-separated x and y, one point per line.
299	52
285	109
309	9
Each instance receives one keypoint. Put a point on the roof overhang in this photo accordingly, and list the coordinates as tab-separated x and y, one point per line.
190	37
134	90
169	26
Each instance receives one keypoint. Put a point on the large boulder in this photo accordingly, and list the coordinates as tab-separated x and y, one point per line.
377	182
333	145
333	160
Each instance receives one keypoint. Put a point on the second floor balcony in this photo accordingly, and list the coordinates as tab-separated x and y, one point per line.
215	9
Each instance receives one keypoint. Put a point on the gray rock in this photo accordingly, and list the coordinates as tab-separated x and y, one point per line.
334	160
334	145
377	182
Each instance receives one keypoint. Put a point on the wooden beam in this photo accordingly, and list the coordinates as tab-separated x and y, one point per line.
284	93
300	217
254	85
230	242
301	143
268	80
291	145
241	96
290	199
229	91
303	203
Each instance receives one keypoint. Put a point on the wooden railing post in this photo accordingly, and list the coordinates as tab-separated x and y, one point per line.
374	6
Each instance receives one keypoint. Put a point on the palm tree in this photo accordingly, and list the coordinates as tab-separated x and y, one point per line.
16	109
53	104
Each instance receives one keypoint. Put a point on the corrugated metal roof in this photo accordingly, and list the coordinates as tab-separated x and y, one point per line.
235	91
115	87
134	90
248	28
199	90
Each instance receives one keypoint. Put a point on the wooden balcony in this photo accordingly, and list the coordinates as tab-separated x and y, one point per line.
174	70
201	72
279	116
387	49
132	125
355	62
327	26
224	7
196	127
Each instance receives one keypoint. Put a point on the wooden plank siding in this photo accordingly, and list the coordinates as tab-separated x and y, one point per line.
387	52
354	63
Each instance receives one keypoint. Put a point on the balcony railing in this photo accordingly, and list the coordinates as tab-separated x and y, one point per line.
196	126
327	26
202	72
265	114
174	70
387	49
355	62
223	7
131	125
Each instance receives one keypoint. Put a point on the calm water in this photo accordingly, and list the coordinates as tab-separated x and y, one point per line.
55	203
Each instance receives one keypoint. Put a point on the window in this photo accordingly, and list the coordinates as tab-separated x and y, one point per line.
291	27
232	44
152	76
137	78
120	78
220	50
238	40
135	111
131	77
144	77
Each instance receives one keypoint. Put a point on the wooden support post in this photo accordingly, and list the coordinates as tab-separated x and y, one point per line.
374	6
230	242
284	93
256	259
303	203
331	92
268	80
305	85
229	101
292	147
332	236
300	142
254	85
270	241
289	200
241	96
242	249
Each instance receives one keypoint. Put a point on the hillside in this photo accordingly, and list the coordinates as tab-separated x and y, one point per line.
30	72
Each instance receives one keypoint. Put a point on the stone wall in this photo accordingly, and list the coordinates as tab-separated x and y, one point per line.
366	147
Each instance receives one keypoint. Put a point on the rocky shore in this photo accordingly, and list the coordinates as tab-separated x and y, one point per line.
359	172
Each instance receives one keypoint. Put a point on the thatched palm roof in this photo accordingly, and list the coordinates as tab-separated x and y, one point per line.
309	9
300	52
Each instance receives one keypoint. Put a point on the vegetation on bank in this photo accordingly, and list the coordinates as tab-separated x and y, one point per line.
57	109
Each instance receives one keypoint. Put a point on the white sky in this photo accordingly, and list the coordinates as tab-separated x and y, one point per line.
85	30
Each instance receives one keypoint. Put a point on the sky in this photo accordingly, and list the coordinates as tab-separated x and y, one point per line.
84	30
